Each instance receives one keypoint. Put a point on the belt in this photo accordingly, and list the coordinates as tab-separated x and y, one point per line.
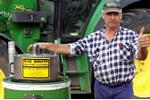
116	84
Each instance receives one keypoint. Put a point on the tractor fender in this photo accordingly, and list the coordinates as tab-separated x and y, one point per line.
7	39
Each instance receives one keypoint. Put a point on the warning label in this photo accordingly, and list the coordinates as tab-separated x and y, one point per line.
36	62
36	68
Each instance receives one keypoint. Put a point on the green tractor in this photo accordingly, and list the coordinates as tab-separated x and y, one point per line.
65	21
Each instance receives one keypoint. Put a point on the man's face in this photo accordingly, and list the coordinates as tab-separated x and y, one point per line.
112	19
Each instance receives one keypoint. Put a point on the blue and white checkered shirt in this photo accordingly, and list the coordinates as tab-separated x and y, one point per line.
113	62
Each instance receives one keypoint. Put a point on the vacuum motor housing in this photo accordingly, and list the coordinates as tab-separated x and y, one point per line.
43	67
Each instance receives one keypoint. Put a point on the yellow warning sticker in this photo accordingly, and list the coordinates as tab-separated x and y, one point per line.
38	62
36	68
35	72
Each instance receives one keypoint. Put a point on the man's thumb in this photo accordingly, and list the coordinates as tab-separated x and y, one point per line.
142	31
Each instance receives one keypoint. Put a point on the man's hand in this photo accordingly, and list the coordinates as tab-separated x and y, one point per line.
144	42
41	45
143	39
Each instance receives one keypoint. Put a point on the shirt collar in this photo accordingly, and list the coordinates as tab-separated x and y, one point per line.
103	30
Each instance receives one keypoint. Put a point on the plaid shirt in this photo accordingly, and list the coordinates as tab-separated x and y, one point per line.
113	62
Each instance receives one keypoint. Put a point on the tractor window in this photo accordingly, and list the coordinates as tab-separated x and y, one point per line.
75	14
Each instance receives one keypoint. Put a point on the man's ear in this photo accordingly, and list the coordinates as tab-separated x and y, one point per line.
121	16
102	15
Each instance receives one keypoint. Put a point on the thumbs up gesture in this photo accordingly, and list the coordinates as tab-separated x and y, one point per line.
143	39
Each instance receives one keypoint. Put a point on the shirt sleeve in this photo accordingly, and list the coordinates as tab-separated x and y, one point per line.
86	44
78	47
83	45
72	46
135	43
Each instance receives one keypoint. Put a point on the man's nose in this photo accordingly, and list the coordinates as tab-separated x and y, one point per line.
112	16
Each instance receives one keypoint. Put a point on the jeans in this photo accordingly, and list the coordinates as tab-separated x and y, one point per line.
122	91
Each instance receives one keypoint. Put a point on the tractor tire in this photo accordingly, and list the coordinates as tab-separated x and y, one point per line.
136	18
132	19
4	64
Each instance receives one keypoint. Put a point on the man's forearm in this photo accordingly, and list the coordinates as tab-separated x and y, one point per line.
142	53
59	48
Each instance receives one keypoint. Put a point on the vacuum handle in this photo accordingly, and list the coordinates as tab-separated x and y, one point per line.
11	54
36	49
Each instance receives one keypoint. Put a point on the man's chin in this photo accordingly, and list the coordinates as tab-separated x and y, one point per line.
113	26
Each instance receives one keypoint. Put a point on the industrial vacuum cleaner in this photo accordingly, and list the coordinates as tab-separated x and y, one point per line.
35	76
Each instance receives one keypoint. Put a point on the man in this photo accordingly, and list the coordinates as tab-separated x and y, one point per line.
111	51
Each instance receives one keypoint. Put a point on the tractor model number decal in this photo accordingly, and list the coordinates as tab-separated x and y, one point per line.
20	7
36	68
